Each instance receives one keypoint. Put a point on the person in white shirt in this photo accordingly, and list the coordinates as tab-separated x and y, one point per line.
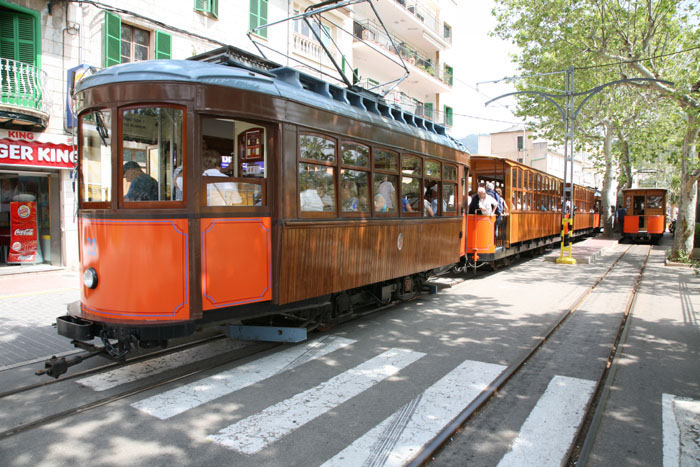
482	203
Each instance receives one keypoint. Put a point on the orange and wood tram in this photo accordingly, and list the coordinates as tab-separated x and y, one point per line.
644	214
232	191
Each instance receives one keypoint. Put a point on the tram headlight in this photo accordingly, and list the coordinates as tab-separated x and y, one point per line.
90	278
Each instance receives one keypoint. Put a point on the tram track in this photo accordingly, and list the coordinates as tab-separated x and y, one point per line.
586	433
109	366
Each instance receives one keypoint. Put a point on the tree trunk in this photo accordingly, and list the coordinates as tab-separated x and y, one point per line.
608	198
685	224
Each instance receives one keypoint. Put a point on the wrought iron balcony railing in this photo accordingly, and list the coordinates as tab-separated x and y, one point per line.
22	86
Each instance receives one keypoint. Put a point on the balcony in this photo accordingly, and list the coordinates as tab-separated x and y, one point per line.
23	100
419	24
427	76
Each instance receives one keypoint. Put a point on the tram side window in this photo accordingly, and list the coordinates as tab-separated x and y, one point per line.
151	151
449	190
386	165
432	192
411	199
317	174
233	152
354	192
96	156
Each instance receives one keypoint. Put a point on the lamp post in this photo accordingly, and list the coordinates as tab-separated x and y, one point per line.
568	116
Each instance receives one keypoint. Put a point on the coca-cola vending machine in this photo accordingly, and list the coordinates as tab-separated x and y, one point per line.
23	233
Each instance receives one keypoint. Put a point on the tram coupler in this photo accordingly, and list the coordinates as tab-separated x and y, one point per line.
56	366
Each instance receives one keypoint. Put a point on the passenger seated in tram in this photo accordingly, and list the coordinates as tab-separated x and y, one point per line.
427	206
309	198
142	186
349	196
379	203
218	194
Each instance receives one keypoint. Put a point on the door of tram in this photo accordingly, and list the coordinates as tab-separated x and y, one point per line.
638	210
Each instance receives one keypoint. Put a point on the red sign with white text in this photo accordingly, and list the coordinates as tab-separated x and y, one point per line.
37	154
23	234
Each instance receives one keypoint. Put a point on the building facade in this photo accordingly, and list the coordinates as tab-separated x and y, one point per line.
521	145
47	45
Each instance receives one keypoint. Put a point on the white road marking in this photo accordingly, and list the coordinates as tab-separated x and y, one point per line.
253	434
137	371
548	431
179	400
681	425
398	439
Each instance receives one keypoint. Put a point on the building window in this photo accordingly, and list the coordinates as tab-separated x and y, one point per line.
428	110
207	6
258	16
448	116
134	44
20	55
447	32
125	43
449	75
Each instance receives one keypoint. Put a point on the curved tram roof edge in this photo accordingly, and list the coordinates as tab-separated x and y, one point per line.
284	82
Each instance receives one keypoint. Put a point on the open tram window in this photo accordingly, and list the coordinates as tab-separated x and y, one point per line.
449	190
386	168
354	192
411	197
151	151
233	152
432	192
317	175
96	156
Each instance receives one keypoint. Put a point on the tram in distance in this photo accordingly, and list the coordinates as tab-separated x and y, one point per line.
645	214
213	192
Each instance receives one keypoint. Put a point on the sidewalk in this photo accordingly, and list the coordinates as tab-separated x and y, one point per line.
29	305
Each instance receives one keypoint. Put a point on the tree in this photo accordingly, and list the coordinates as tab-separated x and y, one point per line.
655	39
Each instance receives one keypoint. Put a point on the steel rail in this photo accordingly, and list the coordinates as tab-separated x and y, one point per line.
585	438
136	359
470	410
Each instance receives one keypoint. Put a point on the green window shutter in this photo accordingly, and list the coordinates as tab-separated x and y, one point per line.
201	5
428	110
258	15
449	74
164	45
17	37
113	39
448	116
207	6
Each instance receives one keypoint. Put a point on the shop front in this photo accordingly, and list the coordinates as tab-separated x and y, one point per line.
35	184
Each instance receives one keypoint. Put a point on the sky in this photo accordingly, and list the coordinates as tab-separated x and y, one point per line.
478	59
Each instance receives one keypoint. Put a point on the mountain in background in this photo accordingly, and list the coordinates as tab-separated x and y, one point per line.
471	142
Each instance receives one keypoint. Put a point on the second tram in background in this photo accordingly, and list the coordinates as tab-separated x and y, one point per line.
645	214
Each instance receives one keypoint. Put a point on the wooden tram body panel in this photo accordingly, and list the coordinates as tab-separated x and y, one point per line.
534	199
235	257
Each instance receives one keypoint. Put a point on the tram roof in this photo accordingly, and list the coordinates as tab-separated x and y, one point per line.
284	82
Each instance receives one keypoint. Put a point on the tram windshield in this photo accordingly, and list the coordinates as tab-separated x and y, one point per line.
152	154
96	156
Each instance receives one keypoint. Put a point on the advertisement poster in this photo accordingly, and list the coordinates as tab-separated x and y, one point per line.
23	234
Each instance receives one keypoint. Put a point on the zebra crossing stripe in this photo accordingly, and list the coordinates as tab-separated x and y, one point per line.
181	399
255	433
548	431
137	371
680	421
398	439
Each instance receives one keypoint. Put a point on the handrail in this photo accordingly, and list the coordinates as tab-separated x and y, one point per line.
23	85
